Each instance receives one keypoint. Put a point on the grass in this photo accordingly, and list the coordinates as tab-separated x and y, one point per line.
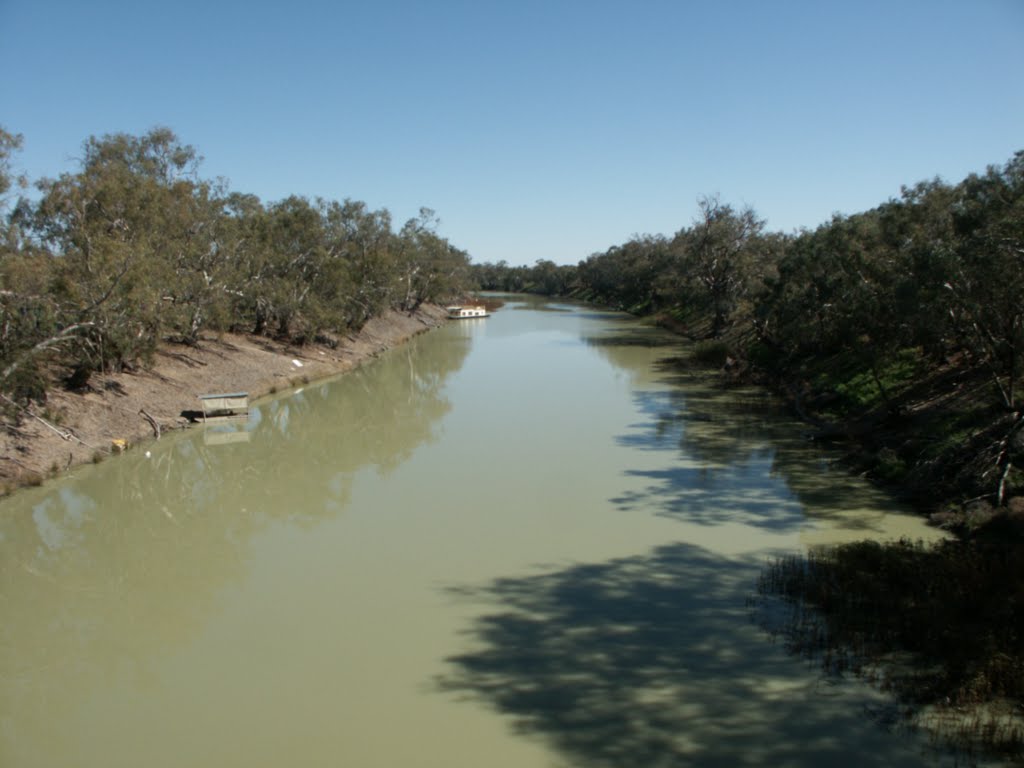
889	466
861	388
956	427
929	429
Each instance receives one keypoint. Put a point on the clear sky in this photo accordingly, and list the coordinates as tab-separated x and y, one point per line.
536	129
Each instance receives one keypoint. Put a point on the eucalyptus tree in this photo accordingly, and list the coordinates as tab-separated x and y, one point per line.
362	239
486	276
10	143
985	286
428	267
918	239
647	274
290	268
985	282
600	278
28	320
241	240
550	279
719	258
122	229
844	299
799	308
490	276
189	240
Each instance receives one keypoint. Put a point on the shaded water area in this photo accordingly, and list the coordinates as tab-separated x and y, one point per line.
528	540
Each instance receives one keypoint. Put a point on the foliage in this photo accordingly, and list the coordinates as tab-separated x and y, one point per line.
867	389
9	144
869	318
891	318
428	266
711	352
719	259
544	278
135	249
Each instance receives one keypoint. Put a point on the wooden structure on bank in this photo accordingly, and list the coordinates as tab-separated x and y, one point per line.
228	405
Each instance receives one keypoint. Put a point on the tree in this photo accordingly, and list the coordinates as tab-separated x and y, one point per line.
718	257
100	222
984	284
428	267
362	239
9	144
550	279
289	269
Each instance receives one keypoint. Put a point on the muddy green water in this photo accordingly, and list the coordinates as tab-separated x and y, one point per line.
520	541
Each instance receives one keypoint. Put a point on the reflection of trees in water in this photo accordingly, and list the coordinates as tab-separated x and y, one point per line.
101	573
308	445
93	591
619	342
741	460
651	661
304	448
630	346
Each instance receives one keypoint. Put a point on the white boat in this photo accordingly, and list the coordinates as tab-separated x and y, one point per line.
463	313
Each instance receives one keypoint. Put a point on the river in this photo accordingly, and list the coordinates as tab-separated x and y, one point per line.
528	540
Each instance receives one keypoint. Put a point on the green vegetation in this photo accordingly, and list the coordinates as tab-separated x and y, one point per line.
135	249
711	352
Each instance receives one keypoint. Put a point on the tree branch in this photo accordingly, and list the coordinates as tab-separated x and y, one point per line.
52	341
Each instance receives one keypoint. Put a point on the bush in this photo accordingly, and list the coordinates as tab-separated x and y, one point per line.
714	353
889	465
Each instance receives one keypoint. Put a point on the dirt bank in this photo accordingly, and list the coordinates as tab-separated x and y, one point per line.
83	425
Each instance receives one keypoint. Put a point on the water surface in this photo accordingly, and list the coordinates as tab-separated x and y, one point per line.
521	541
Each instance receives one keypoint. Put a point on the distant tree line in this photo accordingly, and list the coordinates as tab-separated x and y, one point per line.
545	278
135	248
924	291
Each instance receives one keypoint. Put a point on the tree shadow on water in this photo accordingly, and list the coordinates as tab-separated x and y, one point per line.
735	458
652	660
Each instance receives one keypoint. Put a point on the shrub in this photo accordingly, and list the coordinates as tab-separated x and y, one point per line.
711	353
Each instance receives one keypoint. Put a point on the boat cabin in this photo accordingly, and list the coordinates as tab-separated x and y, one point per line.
461	313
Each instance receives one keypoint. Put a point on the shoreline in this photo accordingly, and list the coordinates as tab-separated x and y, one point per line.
78	427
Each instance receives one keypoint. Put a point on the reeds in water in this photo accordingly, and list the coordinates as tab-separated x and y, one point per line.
940	626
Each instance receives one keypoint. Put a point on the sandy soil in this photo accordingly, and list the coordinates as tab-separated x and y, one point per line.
84	425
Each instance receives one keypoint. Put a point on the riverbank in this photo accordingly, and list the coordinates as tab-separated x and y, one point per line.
76	427
930	433
936	625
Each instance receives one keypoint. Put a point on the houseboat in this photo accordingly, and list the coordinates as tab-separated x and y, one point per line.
463	313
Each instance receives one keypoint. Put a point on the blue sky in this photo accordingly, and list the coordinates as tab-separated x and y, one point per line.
536	130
